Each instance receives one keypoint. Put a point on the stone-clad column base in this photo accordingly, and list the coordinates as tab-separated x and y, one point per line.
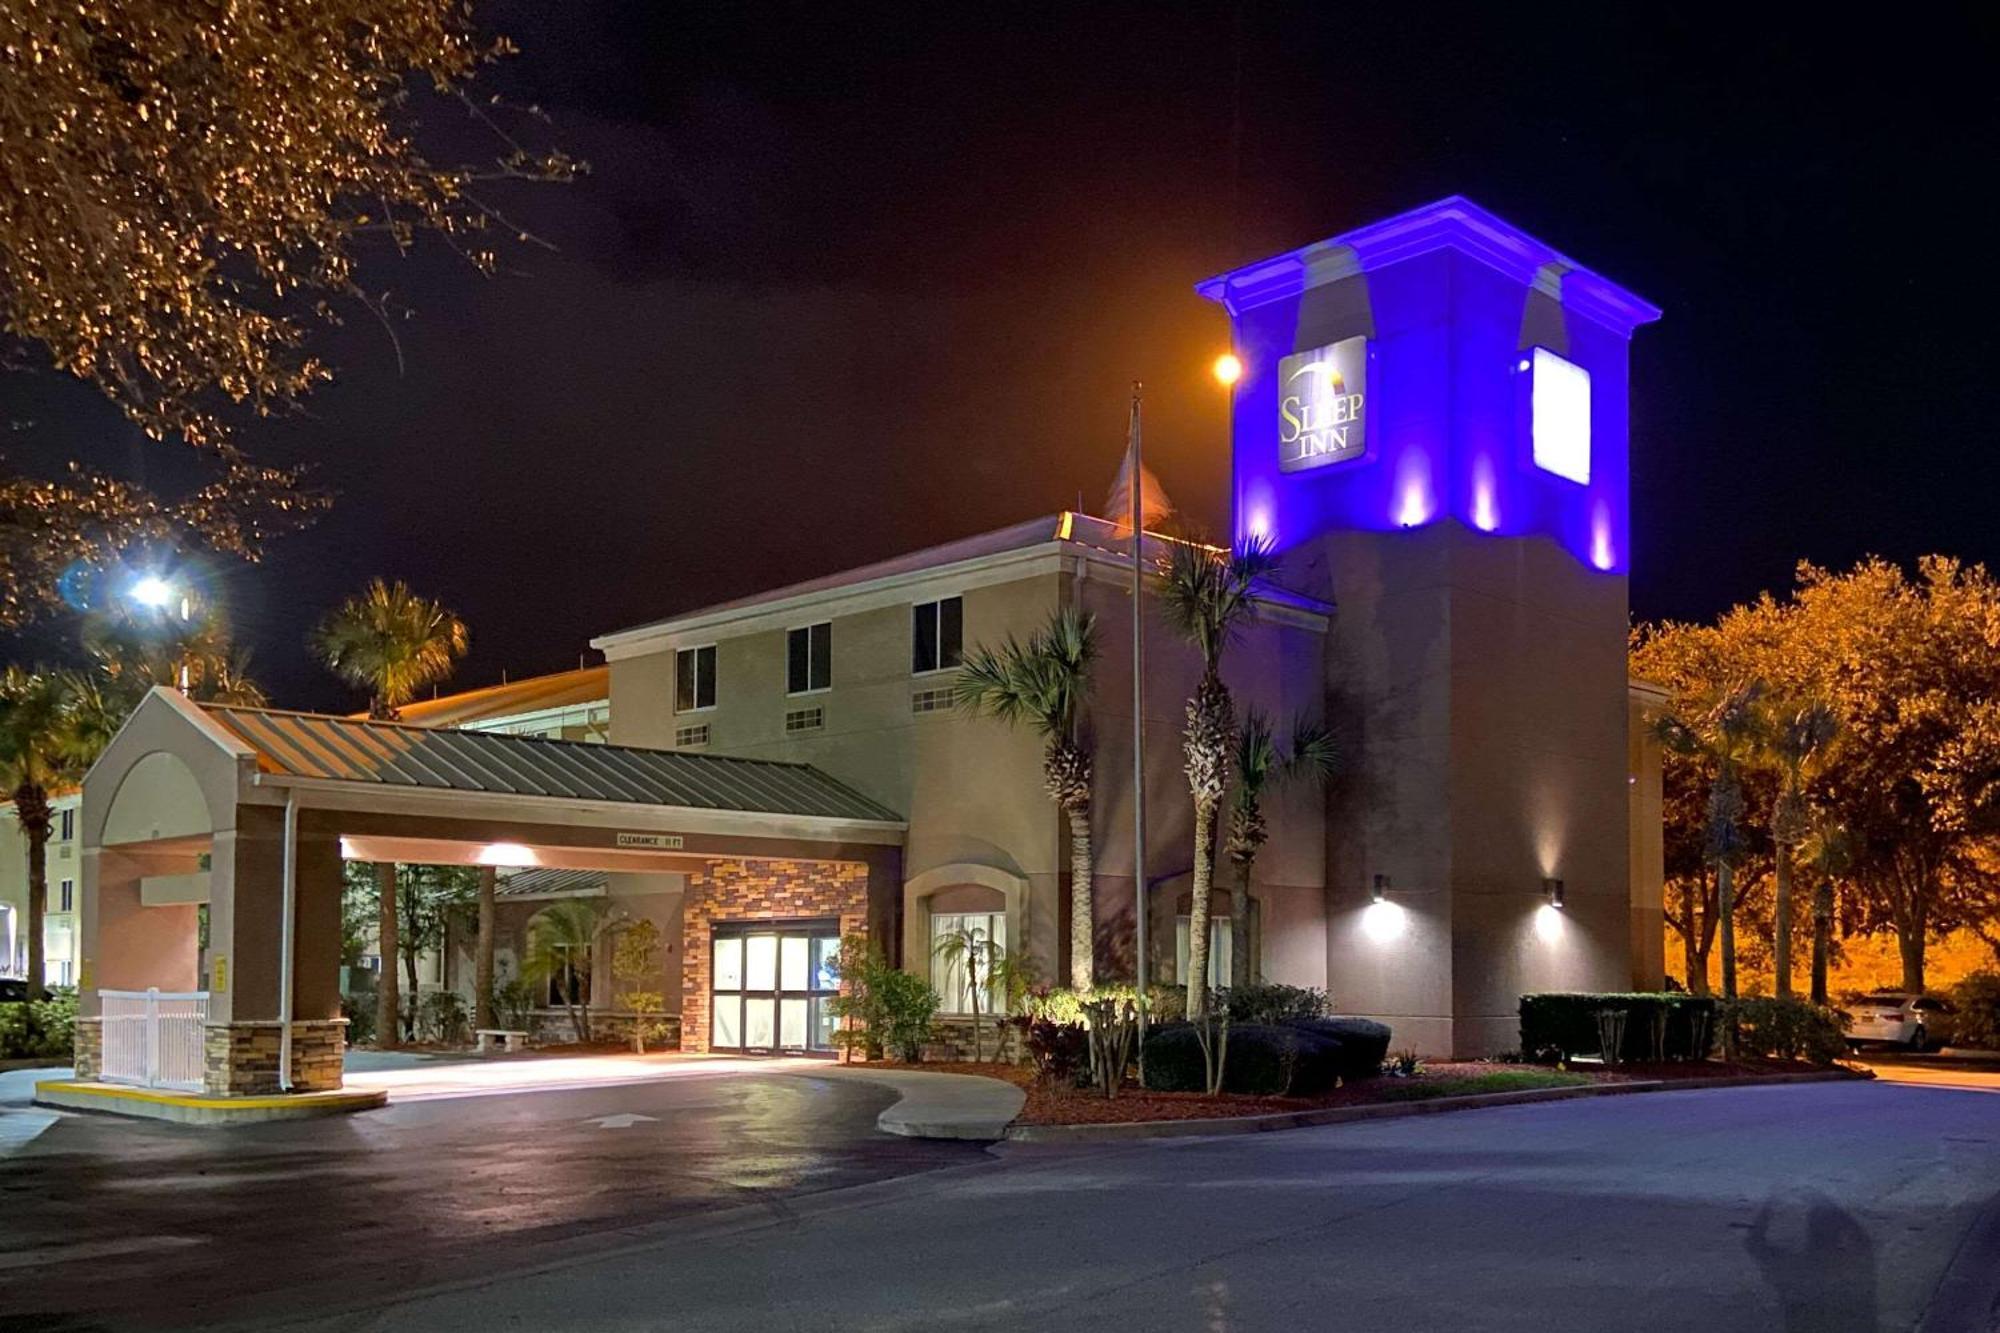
242	1058
89	1058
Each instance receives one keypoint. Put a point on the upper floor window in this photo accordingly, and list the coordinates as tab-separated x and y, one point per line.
809	658
66	824
66	896
937	634
694	679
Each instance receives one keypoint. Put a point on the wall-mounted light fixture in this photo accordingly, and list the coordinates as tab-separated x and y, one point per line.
1552	889
1379	892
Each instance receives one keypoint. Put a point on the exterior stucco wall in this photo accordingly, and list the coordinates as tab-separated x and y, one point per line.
970	788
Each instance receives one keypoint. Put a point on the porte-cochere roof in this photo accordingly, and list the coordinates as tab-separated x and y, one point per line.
318	746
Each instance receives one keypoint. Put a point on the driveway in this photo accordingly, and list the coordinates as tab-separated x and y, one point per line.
119	1223
1821	1207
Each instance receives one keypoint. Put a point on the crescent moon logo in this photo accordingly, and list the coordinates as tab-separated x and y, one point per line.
1334	379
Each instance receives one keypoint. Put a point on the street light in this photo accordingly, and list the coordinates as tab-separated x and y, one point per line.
151	590
1228	368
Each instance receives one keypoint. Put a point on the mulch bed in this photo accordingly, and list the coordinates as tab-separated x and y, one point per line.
1048	1104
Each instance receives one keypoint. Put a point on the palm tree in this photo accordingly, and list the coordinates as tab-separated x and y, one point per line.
980	955
1043	682
1725	737
390	642
562	939
36	755
1826	849
1259	763
1207	593
1789	739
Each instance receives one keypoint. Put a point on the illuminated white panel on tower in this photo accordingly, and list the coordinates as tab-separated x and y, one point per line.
1561	416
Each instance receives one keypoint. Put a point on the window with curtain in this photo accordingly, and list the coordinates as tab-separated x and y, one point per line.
949	976
1220	961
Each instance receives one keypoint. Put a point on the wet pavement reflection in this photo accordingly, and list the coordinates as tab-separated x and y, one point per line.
117	1223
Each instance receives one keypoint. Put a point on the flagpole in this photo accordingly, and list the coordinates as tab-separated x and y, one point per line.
1141	905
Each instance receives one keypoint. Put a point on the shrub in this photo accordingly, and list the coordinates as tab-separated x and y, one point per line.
1271	1002
1060	1051
888	1010
1561	1025
1166	1004
1363	1043
1977	1022
444	1018
1265	1060
1786	1029
39	1029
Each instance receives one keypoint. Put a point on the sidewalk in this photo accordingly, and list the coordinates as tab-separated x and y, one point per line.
410	1077
936	1106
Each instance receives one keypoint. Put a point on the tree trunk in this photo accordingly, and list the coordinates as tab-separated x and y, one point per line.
1239	926
1781	926
37	909
1204	876
388	1003
482	964
1910	944
1822	930
415	993
1082	915
1725	911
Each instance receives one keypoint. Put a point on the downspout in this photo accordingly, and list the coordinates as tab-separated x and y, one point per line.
286	931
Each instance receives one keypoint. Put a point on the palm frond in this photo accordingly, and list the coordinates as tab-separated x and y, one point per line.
1206	592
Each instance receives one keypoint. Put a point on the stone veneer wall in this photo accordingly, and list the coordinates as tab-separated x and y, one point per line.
89	1056
552	1027
749	890
242	1058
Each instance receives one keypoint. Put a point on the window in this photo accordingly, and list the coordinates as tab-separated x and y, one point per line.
572	978
1220	964
66	824
937	634
949	976
805	719
687	736
694	679
66	896
1559	415
930	701
809	658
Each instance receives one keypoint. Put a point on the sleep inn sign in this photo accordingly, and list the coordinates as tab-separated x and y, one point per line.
1322	405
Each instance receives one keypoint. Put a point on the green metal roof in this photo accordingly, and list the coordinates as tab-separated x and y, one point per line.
314	745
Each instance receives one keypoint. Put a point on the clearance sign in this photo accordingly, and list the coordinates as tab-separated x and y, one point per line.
1322	405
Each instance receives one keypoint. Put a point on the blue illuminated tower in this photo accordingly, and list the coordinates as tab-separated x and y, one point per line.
1432	428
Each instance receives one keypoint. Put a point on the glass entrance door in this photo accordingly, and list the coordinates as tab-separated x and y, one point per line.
770	983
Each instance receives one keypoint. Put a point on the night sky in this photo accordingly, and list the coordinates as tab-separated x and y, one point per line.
849	280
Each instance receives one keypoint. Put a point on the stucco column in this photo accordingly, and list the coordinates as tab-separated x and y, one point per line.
246	940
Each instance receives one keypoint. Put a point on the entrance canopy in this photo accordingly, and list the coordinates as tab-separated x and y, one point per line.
251	811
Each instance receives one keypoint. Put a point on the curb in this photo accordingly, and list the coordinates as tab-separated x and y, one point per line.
1335	1115
196	1109
919	1114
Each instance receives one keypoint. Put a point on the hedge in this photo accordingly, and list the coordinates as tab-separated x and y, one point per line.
1264	1060
1977	1023
1364	1043
1786	1029
39	1029
1562	1025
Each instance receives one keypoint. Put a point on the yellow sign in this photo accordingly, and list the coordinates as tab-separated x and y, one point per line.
219	980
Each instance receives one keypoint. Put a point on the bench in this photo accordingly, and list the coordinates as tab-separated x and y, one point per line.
500	1039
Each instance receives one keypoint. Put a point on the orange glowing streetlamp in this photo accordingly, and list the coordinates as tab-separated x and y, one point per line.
1228	368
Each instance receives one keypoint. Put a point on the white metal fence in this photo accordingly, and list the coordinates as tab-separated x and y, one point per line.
154	1038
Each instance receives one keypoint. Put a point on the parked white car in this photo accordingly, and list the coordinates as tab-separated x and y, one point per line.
1895	1017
